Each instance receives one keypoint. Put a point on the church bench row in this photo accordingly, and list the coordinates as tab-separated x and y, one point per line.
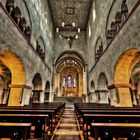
100	106
36	115
100	114
108	131
88	119
57	107
38	120
14	129
80	111
81	108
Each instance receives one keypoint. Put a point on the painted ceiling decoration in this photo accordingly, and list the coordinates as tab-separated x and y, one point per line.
69	12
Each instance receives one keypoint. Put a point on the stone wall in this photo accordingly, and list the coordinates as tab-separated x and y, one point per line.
127	38
78	45
13	40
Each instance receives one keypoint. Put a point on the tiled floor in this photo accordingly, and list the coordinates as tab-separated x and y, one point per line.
67	130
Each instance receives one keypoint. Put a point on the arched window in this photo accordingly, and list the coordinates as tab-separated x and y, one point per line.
74	82
94	12
69	80
64	82
98	48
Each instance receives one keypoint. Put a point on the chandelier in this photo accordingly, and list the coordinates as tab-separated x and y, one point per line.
72	33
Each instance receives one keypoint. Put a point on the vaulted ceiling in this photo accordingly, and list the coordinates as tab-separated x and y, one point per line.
70	11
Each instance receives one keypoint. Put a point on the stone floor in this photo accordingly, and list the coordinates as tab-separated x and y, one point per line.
67	130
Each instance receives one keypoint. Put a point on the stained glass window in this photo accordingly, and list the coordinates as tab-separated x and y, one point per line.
64	82
69	81
74	82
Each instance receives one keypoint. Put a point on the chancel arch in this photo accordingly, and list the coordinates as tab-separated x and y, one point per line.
13	71
69	69
37	87
123	80
102	89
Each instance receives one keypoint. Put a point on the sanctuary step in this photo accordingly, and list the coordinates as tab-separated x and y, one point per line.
68	100
67	130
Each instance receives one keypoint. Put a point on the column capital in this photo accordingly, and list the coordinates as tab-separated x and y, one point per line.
119	85
20	86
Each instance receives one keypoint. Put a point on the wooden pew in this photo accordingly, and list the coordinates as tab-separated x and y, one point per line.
89	113
38	115
14	129
37	120
106	118
107	131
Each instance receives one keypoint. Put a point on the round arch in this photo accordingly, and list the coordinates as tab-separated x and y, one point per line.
98	48
125	64
102	81
69	53
69	63
16	67
37	87
37	82
123	69
102	90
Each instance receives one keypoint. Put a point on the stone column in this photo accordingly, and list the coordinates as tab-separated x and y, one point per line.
1	94
138	88
80	85
26	95
58	84
5	97
103	93
19	95
123	91
42	95
52	85
85	83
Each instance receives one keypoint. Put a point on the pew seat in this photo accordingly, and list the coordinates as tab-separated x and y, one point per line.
14	130
107	131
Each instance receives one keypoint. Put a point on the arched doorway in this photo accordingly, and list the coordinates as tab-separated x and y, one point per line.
102	88
122	77
37	87
69	75
12	67
47	92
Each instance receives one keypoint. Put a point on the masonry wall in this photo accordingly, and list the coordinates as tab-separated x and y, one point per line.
127	38
78	45
12	40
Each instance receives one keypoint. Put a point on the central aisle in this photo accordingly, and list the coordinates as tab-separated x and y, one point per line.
67	130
